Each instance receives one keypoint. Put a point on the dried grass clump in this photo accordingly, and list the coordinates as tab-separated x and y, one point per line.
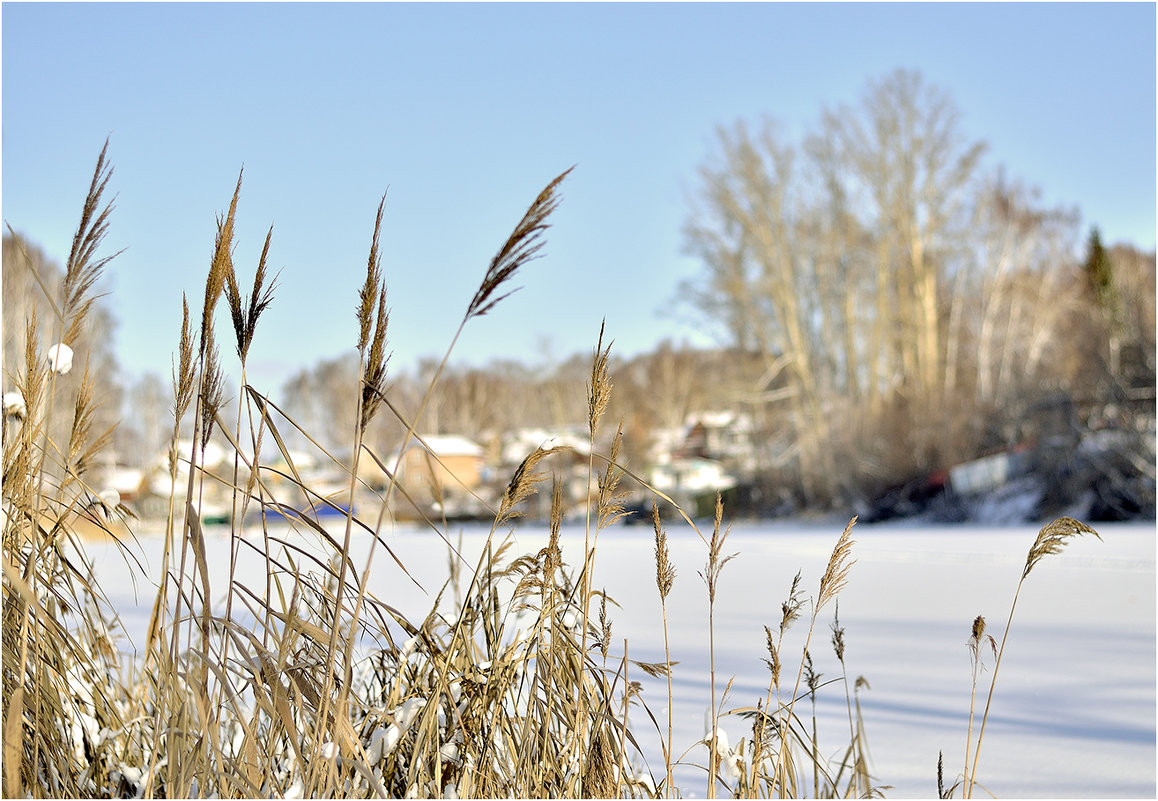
64	691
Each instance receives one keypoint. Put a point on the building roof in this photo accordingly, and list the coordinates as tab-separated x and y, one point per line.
450	445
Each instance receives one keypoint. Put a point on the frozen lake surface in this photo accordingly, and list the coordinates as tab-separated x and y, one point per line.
1074	710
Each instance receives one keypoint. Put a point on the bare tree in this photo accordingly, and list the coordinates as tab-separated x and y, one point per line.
907	157
842	262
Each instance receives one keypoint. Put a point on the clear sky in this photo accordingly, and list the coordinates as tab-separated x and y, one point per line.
464	112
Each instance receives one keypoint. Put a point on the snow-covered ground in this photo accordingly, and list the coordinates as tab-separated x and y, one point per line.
1074	710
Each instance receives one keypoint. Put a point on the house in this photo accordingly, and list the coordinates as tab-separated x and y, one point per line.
687	479
442	475
214	492
726	436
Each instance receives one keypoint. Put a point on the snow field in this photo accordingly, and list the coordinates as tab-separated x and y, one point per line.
1074	710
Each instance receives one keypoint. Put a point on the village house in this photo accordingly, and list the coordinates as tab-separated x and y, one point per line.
442	475
570	467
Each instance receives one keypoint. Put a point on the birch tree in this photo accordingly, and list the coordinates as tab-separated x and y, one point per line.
831	261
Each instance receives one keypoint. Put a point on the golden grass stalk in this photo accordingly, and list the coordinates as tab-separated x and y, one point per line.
199	383
789	613
46	587
859	783
598	395
83	446
522	246
244	314
812	682
836	573
711	577
245	311
83	269
977	638
1051	539
220	266
522	486
831	583
373	319
599	387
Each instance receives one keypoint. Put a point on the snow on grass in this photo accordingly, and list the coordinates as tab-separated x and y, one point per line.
1074	709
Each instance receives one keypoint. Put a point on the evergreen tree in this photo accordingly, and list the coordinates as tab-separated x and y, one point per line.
1099	271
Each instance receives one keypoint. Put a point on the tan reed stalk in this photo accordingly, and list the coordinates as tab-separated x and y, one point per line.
158	661
43	656
81	273
372	319
598	395
244	314
207	396
862	742
812	681
976	638
521	247
831	583
838	649
22	613
665	574
1051	539
711	577
627	695
789	614
35	642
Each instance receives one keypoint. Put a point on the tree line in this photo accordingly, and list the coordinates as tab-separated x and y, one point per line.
886	303
908	302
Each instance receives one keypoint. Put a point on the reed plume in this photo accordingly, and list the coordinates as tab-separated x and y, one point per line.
522	486
522	246
220	266
665	574
83	445
374	372
184	372
711	577
373	319
836	574
245	311
1051	539
831	583
82	269
611	501
599	387
212	396
368	294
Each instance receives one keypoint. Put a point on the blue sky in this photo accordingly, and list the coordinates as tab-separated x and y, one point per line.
464	112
